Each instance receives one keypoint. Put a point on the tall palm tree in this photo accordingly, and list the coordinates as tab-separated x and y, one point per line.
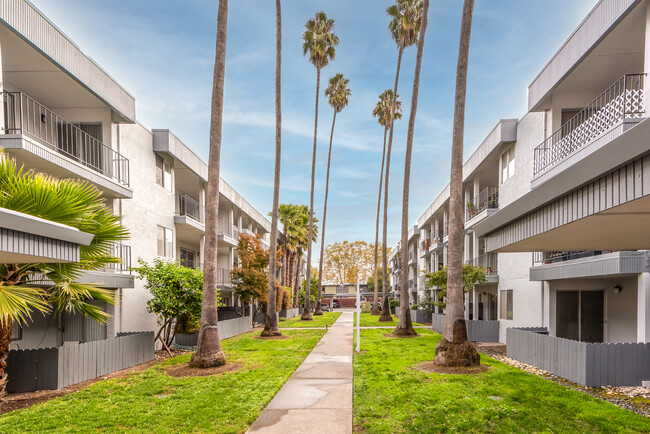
208	352
404	27
287	215
404	326
71	202
382	112
319	41
338	94
271	324
455	349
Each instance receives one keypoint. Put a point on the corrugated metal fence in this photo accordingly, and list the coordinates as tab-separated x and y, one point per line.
289	313
589	364
477	331
55	368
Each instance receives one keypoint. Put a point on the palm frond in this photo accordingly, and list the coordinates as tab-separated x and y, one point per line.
17	302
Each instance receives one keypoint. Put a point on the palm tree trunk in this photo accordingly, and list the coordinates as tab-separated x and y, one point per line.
5	340
318	310
296	283
306	315
455	349
285	258
404	326
208	352
385	313
375	300
271	325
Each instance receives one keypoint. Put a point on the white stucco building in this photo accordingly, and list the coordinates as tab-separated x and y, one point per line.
63	115
557	203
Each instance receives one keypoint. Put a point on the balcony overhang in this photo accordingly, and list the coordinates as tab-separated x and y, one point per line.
31	153
594	54
25	238
624	143
487	212
188	229
39	58
610	264
108	280
227	240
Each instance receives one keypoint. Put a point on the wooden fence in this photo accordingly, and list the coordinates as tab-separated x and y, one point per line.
589	364
55	368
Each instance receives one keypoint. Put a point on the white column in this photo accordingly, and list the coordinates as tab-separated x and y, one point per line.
467	305
643	308
475	309
2	107
646	56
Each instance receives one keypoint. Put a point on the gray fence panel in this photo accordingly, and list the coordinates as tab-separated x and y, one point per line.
437	322
234	327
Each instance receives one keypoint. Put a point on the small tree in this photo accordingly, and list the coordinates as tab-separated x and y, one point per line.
312	293
250	280
472	276
176	292
380	278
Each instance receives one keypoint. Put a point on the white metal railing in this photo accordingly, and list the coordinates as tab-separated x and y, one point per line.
545	258
24	115
189	207
123	252
622	100
226	228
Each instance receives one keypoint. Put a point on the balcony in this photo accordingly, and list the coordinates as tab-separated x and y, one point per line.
425	245
483	205
622	102
67	148
437	239
189	218
116	275
412	257
571	265
489	261
227	232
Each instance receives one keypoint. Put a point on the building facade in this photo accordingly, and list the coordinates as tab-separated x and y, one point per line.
63	115
557	202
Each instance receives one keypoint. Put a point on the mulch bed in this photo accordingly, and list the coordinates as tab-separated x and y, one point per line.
431	368
185	371
17	401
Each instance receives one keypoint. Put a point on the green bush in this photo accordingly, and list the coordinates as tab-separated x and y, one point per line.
393	303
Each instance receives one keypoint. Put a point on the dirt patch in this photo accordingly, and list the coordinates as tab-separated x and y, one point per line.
184	370
429	367
272	338
17	401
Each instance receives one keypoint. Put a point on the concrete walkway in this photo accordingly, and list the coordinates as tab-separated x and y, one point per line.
318	396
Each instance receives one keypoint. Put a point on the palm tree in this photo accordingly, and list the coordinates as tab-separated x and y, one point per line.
404	27
404	326
455	349
208	352
287	215
271	324
382	112
338	95
54	287
319	41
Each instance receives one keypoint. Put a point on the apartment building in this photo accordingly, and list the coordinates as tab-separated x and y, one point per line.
557	202
63	115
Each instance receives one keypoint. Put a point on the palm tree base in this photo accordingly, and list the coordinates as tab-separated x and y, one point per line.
270	333
375	312
385	317
207	360
306	316
461	352
318	311
404	332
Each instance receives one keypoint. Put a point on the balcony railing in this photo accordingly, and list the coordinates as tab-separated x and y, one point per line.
488	198
623	100
425	245
189	207
437	236
545	258
122	252
24	115
487	261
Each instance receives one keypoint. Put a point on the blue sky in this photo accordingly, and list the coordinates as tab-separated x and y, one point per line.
163	52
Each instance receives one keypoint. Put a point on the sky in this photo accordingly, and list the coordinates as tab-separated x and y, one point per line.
162	52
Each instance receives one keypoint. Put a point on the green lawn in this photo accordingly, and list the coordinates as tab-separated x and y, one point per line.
370	320
153	401
318	321
391	397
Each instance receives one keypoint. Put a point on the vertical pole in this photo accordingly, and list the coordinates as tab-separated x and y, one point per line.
358	317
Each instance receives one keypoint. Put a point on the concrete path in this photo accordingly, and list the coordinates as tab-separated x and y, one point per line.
318	396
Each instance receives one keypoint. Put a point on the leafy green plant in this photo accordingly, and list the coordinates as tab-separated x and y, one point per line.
472	276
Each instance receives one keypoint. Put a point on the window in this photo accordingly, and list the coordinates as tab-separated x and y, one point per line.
506	304
165	242
163	173
507	164
16	332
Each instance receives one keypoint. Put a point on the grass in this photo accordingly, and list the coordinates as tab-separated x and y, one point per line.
369	320
318	321
391	397
152	401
